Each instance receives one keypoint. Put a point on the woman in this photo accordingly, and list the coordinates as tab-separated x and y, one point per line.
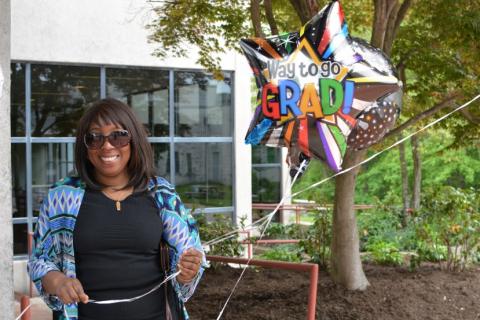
98	235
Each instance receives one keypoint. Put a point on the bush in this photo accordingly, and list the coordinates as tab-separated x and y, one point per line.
448	224
386	253
283	231
318	238
289	253
219	227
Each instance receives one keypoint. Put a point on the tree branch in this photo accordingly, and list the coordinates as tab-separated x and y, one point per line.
470	116
256	20
270	18
427	113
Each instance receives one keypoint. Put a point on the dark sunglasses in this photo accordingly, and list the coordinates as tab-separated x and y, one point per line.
117	139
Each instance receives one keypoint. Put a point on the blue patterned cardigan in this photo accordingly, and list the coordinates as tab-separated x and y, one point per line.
53	238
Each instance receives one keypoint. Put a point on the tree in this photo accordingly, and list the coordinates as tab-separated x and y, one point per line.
433	75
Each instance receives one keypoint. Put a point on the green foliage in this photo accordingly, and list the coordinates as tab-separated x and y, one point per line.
380	179
449	221
214	229
211	26
285	231
289	253
386	253
378	225
319	238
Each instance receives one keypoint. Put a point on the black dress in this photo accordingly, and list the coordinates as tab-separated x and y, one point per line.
117	257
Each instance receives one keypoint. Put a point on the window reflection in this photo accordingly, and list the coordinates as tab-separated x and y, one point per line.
266	182
59	97
161	156
17	110
146	91
19	193
266	174
50	163
262	155
204	174
203	105
20	238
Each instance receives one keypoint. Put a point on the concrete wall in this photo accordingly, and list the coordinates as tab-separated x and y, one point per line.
6	236
90	31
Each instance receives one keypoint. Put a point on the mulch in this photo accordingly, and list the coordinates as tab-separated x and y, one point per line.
394	293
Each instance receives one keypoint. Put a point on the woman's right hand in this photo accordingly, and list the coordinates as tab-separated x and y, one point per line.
68	290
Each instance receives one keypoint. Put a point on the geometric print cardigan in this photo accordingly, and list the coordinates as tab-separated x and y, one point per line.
53	238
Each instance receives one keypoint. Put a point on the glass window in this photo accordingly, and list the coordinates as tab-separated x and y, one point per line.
266	183
266	174
161	156
59	97
264	154
50	163
146	91
205	174
17	111
20	238
203	105
19	193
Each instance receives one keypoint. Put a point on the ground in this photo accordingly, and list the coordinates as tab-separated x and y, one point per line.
394	293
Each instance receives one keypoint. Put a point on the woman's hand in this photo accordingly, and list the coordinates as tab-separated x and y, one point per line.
188	265
68	290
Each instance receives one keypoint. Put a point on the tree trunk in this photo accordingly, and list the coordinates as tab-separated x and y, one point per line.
417	172
305	9
270	18
346	266
256	19
6	237
404	174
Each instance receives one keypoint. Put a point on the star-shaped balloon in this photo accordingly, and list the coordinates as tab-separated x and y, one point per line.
320	91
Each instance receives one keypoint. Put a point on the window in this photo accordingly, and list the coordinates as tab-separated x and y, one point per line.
266	174
146	91
208	180
60	95
200	137
17	96
203	105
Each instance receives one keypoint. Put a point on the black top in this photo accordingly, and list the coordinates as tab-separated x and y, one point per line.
117	257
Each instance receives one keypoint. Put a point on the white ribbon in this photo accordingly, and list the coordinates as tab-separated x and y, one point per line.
129	299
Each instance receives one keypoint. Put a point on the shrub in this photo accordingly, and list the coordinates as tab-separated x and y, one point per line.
448	224
386	253
289	253
219	227
318	238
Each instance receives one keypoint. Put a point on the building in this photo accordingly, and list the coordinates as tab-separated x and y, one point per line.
66	54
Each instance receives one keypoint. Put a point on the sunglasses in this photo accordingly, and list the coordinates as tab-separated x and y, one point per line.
117	139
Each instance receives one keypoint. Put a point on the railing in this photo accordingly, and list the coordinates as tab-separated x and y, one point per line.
300	208
312	268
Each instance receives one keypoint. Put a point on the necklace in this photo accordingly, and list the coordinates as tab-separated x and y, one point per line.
118	204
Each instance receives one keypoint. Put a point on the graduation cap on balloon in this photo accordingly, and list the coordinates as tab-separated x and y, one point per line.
321	91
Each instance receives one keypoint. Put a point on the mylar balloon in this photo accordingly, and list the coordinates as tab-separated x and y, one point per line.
320	91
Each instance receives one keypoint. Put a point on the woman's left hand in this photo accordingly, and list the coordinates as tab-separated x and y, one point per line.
188	265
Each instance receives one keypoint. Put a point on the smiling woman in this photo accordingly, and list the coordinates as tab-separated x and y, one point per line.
116	213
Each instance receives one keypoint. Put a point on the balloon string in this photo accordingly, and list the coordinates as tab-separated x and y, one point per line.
125	300
388	148
303	164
